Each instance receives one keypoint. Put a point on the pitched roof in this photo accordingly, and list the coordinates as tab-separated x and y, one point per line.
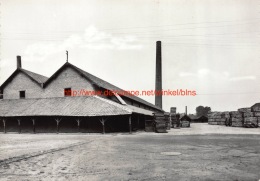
192	116
99	82
37	78
185	117
256	104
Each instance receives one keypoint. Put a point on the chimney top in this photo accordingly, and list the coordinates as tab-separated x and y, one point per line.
19	61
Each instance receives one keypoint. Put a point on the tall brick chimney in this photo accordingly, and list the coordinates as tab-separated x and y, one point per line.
186	111
19	62
158	76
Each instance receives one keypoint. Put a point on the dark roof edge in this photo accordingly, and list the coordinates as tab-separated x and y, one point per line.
60	69
14	74
78	70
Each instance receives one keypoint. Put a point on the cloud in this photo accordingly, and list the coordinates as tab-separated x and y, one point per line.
39	51
206	73
242	78
186	74
91	39
203	72
200	73
224	76
95	39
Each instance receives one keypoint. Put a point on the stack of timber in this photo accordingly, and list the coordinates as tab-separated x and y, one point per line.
250	117
160	123
218	118
149	125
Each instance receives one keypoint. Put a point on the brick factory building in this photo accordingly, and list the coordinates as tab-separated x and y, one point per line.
34	103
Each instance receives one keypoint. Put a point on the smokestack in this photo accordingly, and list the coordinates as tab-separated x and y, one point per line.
158	76
186	110
19	62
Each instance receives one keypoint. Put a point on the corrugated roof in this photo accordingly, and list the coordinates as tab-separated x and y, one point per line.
66	106
140	110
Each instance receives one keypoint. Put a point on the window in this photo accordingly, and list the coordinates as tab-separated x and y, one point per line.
67	92
22	94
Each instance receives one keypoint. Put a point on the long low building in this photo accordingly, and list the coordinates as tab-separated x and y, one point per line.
32	102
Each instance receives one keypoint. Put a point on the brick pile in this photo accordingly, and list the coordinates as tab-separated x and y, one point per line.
243	117
236	119
160	123
167	120
251	116
218	118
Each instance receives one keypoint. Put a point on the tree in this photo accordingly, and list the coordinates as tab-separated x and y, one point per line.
202	111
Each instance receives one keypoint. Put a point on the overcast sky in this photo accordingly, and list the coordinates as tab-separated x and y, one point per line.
210	46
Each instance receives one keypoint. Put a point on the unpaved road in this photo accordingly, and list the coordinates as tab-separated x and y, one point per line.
129	157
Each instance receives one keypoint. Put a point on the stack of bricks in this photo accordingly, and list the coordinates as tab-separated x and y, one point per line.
218	118
167	120
236	119
244	117
173	116
173	119
160	123
251	116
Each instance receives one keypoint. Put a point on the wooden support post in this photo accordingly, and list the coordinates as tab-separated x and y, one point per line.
102	120
19	125
138	122
58	122
78	121
130	125
33	122
4	121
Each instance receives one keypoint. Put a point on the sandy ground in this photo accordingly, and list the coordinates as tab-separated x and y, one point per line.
202	152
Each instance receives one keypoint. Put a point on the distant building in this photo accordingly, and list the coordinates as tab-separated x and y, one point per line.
198	119
185	121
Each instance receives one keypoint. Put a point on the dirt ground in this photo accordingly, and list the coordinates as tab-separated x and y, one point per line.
202	152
